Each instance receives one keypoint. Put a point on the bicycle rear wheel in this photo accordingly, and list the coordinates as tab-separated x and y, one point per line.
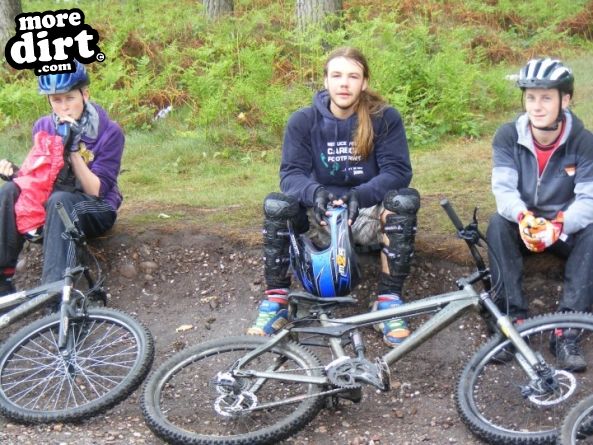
577	428
492	395
111	355
182	405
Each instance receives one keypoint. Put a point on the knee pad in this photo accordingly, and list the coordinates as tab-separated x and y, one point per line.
278	206
405	201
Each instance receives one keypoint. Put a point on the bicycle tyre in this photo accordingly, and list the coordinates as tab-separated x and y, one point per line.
572	426
113	354
489	383
178	402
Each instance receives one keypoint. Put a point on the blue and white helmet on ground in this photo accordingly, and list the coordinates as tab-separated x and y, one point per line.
64	82
332	271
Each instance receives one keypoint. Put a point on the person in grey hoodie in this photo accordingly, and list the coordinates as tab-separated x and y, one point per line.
542	180
348	148
86	185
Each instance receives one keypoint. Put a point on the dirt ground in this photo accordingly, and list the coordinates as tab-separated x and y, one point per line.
189	286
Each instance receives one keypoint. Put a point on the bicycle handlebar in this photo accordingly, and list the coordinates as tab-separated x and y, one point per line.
446	205
471	235
68	224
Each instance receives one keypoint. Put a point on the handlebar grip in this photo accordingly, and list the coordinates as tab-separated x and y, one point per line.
68	224
446	205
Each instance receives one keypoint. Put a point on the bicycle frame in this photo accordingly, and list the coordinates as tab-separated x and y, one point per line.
28	301
448	306
454	304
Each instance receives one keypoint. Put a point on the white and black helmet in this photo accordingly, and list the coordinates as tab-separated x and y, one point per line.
546	73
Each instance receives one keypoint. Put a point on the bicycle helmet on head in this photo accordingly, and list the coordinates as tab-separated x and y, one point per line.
328	272
546	73
64	82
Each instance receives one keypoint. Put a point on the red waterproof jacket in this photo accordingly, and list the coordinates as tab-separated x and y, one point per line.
36	180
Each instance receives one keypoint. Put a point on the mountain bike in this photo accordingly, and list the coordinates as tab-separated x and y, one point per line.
577	428
260	390
77	362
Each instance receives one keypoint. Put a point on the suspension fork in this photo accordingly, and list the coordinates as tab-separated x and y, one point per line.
65	314
529	361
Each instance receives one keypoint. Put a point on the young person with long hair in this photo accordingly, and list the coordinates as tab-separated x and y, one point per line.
348	148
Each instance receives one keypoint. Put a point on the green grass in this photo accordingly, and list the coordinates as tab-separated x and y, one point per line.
460	168
203	166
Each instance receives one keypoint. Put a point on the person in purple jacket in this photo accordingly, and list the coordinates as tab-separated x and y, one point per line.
348	148
86	185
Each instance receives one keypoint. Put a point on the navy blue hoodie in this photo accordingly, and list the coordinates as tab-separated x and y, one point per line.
317	151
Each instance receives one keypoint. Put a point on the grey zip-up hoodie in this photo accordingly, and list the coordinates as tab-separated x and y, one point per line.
566	184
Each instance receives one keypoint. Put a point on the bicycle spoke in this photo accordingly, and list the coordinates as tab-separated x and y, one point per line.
102	358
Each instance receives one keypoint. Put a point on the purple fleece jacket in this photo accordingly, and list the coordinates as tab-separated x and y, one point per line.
107	149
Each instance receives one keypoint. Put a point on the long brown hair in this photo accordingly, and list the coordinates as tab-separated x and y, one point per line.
369	103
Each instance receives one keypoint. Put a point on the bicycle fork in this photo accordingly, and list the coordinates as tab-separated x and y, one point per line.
542	378
66	340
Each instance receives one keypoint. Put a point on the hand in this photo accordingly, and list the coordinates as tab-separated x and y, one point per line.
529	226
7	170
540	233
71	133
351	201
552	231
322	198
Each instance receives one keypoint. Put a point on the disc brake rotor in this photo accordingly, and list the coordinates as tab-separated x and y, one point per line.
233	405
567	384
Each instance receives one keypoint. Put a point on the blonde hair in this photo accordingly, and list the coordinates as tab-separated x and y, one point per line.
369	103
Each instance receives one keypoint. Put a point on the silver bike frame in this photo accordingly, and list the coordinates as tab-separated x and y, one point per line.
449	307
27	301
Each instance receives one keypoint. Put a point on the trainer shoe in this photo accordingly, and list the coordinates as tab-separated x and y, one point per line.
395	331
272	316
565	347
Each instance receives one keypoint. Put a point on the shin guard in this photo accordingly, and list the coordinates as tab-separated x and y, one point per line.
400	230
278	209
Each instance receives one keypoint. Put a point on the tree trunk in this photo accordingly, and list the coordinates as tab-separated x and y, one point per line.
217	8
9	9
314	11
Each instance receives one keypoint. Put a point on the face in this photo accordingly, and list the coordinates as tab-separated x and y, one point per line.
69	105
542	105
345	82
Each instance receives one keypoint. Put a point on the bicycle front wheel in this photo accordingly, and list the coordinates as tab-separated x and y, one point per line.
110	354
500	402
577	428
183	405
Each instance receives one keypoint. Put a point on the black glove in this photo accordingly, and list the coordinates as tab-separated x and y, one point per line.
71	133
351	201
322	198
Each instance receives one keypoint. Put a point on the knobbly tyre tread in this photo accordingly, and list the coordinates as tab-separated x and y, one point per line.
95	407
494	435
173	435
584	407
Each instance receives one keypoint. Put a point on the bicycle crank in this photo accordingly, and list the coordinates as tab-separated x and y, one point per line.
349	373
